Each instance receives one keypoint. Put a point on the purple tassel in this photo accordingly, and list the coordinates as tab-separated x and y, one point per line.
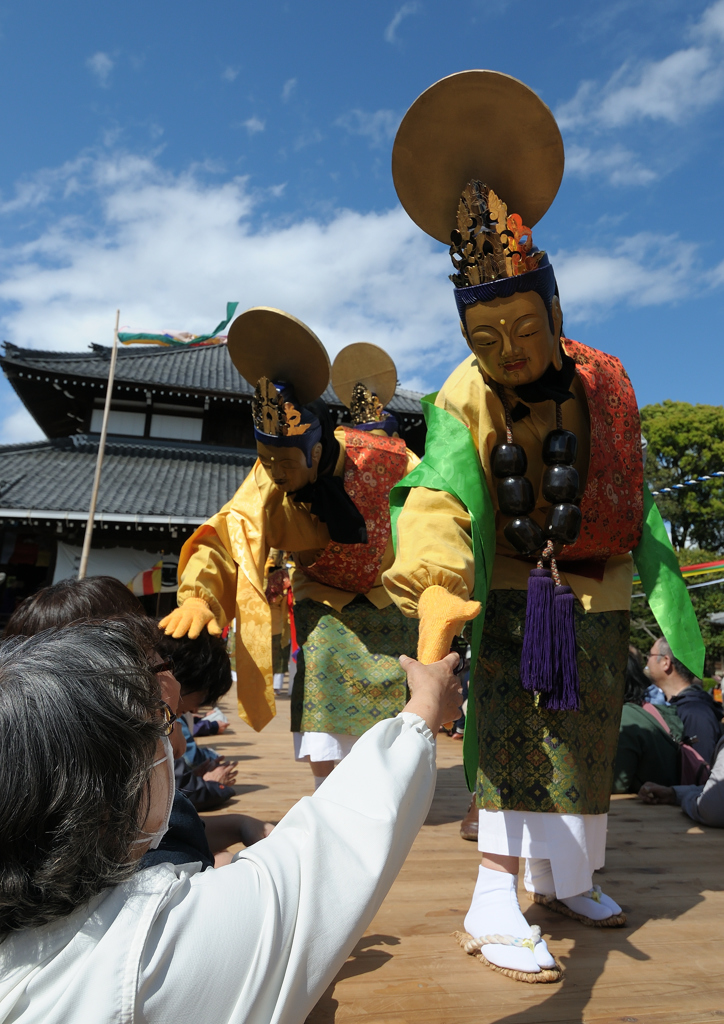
536	662
566	686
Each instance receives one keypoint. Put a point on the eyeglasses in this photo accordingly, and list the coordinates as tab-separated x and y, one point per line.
648	656
168	718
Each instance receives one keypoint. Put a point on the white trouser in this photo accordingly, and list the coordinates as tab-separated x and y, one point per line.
322	746
575	844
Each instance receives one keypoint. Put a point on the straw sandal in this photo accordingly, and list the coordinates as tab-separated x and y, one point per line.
472	947
614	921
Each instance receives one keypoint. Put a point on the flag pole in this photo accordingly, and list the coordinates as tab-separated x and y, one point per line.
101	452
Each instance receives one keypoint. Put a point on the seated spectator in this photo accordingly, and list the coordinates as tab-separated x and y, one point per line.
203	670
700	714
704	804
87	937
95	597
105	597
645	750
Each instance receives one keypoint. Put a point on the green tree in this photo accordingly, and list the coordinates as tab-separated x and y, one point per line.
705	600
687	441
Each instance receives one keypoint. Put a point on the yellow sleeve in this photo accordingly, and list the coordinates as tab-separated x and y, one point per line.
207	568
434	548
223	562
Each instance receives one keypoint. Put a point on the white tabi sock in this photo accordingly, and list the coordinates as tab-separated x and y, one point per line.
278	682
594	904
318	780
494	910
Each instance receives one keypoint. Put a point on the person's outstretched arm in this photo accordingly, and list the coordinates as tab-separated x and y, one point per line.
271	930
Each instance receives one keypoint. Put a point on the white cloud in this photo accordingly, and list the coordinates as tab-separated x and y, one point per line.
402	12
289	87
643	270
170	250
253	125
618	164
19	426
379	126
101	65
671	89
230	74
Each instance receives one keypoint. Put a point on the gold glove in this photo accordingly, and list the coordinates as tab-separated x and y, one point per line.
190	618
442	616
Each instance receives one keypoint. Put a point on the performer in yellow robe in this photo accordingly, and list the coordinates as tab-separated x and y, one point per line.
322	495
530	499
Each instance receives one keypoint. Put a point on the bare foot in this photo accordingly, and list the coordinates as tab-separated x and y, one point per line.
251	830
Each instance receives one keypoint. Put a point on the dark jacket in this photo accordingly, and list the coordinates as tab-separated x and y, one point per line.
645	752
204	795
185	842
701	716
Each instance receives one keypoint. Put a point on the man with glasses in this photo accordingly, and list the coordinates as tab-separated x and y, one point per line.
700	714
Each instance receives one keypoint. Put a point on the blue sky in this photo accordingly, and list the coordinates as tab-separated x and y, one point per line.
166	158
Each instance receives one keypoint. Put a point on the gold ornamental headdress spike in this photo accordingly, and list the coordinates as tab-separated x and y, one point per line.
476	126
364	378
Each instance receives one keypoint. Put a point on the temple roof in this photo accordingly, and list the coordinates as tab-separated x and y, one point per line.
142	480
204	370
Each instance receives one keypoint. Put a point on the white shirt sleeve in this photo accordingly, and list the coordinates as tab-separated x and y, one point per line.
258	941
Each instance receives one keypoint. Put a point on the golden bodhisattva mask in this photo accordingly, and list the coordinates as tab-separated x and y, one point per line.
512	337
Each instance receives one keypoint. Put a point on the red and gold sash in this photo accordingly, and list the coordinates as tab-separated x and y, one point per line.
612	505
373	465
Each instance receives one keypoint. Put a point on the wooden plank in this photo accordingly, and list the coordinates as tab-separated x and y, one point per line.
664	968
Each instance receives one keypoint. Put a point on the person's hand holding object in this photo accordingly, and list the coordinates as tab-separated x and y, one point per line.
190	618
442	616
436	691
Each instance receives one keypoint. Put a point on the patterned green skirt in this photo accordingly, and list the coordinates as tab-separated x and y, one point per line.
280	655
348	676
532	759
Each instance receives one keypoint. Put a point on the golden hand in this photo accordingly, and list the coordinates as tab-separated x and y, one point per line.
190	618
442	616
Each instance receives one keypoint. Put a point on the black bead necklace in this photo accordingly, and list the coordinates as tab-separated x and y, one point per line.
560	488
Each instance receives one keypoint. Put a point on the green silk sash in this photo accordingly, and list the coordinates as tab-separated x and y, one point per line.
666	591
451	463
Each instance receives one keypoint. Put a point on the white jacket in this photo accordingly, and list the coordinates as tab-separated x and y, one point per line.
257	941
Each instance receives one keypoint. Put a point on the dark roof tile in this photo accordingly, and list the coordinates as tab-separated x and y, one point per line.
140	477
207	369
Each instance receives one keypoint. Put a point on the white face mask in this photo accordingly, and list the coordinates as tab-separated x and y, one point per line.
158	835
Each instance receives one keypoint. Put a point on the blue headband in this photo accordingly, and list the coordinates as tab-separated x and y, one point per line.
306	441
541	280
389	424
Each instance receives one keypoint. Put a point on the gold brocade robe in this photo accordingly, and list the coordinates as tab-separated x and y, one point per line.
223	563
434	545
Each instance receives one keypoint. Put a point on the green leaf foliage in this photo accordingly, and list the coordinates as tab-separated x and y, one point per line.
687	441
705	601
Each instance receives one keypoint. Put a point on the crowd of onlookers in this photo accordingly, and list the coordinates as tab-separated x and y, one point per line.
204	779
671	749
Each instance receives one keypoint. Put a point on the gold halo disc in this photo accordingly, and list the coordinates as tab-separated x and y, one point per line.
364	363
476	124
267	342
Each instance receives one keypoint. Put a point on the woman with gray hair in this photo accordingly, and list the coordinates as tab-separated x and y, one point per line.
86	936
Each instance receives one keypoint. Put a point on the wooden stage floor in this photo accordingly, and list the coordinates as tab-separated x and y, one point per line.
665	871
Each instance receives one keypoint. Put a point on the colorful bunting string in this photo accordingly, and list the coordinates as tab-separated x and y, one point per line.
687	483
182	339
